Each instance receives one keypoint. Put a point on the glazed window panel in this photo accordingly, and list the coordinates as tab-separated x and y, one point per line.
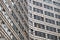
58	23
41	34
37	10
50	21
57	16
58	30
38	18
50	28
37	3
49	14
56	3
53	37
39	25
48	1
48	7
57	10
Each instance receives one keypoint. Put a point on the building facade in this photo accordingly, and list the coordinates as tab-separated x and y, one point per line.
13	20
44	19
29	20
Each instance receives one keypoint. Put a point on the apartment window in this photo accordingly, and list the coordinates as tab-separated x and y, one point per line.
31	23
30	8
31	31
57	16
38	10
58	30
48	1
29	1
21	36
16	8
37	3
48	7
58	23
57	10
56	3
38	18
59	38
50	21
41	34
39	25
30	15
53	37
50	28
15	17
49	14
31	39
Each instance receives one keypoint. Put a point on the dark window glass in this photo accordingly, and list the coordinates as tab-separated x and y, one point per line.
53	37
39	25
37	3
50	21
38	18
41	34
57	16
58	23
56	3
48	1
48	7
57	10
38	10
58	30
51	28
30	8
49	14
59	38
31	31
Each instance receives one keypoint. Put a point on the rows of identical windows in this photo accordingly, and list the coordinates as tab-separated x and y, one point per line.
50	2
46	19
47	27
37	3
42	34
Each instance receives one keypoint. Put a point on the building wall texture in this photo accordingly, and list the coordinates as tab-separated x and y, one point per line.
30	19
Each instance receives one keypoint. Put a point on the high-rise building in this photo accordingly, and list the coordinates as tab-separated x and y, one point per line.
13	20
29	20
44	19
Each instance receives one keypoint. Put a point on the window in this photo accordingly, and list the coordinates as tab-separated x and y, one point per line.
39	25
29	1
50	28
58	30
16	8
38	10
41	34
48	7
30	8
31	31
58	23
56	3
31	39
38	18
31	23
59	38
48	1
15	17
30	14
37	3
50	21
53	37
49	14
57	16
57	10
